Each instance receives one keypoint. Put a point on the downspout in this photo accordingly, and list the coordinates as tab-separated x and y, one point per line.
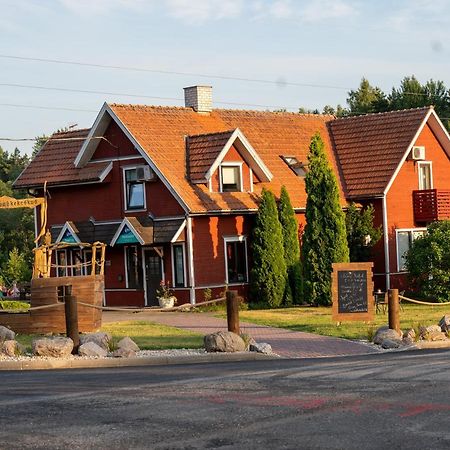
190	252
387	268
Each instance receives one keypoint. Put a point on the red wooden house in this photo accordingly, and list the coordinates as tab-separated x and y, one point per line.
173	191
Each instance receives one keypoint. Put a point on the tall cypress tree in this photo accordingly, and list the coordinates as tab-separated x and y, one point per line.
268	275
324	239
291	246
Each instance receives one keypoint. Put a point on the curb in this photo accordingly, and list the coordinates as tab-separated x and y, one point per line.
55	363
423	345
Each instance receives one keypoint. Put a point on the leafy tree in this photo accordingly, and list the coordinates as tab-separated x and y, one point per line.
16	267
291	247
428	262
361	234
324	239
268	275
38	144
366	99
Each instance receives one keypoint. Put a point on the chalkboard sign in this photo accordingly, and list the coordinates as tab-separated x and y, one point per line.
352	289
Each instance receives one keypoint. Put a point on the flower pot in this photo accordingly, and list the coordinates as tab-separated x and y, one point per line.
167	302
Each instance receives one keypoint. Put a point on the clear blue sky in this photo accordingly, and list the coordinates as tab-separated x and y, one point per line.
320	42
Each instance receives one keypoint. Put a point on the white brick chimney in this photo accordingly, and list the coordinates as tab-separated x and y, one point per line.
199	98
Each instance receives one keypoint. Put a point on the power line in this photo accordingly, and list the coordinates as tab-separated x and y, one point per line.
55	108
279	83
153	97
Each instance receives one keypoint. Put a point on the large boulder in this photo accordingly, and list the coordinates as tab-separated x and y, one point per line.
224	341
91	349
57	347
10	348
427	332
444	323
101	339
128	344
6	334
391	343
386	333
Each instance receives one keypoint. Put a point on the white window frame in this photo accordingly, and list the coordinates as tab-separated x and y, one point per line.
404	230
183	245
232	164
124	182
144	274
72	261
419	165
226	240
57	263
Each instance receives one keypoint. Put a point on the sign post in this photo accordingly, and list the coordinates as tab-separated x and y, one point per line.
352	292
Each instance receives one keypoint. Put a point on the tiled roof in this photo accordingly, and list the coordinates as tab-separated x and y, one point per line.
55	163
370	147
88	231
161	132
203	150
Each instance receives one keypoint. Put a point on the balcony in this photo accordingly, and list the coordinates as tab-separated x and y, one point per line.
431	205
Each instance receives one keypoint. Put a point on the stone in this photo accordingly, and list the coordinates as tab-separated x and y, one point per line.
408	340
444	323
128	344
57	347
92	349
6	334
101	339
262	347
224	341
391	343
386	333
10	348
410	333
248	341
124	353
432	329
436	336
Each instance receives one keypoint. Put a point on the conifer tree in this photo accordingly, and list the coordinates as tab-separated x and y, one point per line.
268	275
291	246
324	239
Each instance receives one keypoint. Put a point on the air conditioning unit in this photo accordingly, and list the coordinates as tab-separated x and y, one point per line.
418	153
145	173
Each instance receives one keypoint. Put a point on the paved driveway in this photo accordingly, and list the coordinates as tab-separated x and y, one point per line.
286	343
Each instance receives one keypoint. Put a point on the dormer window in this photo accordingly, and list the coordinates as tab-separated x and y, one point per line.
295	165
231	177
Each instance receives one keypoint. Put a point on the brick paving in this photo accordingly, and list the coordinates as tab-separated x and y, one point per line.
286	343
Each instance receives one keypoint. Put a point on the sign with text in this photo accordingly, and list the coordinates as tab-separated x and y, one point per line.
352	290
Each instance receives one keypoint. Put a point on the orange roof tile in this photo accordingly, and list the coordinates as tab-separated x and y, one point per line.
55	163
161	132
370	147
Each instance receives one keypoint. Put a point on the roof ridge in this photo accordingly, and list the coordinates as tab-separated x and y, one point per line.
384	113
78	130
213	133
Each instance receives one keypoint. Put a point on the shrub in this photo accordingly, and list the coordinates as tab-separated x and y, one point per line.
428	262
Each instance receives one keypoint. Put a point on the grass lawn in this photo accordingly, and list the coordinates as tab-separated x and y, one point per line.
153	336
318	320
147	335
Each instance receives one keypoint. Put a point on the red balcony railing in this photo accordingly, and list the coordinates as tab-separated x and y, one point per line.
431	205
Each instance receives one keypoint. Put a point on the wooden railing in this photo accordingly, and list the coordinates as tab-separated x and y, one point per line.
431	205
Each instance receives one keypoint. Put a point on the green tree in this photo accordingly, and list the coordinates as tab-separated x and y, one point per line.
428	262
361	234
268	275
366	99
291	247
324	239
16	267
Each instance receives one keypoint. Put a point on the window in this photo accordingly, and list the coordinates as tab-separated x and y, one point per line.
236	259
178	265
61	263
76	262
295	165
425	175
134	190
133	260
404	240
230	176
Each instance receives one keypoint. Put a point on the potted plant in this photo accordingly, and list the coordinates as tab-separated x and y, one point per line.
165	295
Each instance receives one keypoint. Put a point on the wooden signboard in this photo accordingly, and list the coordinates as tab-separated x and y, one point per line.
352	291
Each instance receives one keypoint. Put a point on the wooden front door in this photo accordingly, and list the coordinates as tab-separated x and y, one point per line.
153	275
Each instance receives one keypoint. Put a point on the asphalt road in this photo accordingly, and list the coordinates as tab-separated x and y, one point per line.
395	400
